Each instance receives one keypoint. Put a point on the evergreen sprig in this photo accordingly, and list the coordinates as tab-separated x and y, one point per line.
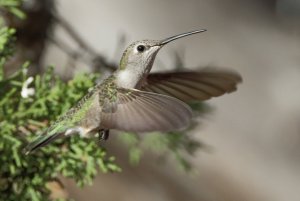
21	118
12	6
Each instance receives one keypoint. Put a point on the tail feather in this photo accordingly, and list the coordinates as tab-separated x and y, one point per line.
40	142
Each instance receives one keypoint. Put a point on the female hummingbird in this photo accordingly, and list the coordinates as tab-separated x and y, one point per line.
133	99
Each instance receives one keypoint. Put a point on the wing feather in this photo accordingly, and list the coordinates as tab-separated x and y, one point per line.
140	111
189	86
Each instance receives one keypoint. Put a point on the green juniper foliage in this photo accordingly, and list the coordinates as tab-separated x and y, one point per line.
26	109
12	6
177	144
29	104
21	118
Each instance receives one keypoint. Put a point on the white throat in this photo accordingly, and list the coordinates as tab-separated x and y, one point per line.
128	79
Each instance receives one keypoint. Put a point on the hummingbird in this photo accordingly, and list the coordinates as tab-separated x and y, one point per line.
133	99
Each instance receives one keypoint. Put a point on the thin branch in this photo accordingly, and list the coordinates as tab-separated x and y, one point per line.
88	56
75	36
64	47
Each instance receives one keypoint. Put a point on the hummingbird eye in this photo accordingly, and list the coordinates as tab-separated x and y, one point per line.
140	48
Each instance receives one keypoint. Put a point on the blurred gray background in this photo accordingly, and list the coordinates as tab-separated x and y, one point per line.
253	134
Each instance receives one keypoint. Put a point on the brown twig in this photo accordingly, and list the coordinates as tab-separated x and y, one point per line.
86	54
75	36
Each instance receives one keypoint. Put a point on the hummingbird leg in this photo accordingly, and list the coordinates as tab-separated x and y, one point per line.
103	134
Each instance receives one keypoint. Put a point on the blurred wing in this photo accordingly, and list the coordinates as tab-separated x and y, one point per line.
140	111
189	86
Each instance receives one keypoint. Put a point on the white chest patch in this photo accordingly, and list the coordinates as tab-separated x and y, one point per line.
77	130
127	79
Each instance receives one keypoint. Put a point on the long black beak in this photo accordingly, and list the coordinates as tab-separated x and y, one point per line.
167	40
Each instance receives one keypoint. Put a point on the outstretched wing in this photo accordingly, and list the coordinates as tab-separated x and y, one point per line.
189	86
140	111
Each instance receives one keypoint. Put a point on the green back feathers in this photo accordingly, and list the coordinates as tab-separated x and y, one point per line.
64	122
77	116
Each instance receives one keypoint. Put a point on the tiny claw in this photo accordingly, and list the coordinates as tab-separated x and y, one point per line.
26	151
103	134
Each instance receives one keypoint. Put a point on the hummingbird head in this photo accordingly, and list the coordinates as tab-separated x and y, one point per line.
138	58
139	54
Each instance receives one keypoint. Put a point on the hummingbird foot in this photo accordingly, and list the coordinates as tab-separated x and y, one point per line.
103	134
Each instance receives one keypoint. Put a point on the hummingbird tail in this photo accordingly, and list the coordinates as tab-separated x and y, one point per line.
40	141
